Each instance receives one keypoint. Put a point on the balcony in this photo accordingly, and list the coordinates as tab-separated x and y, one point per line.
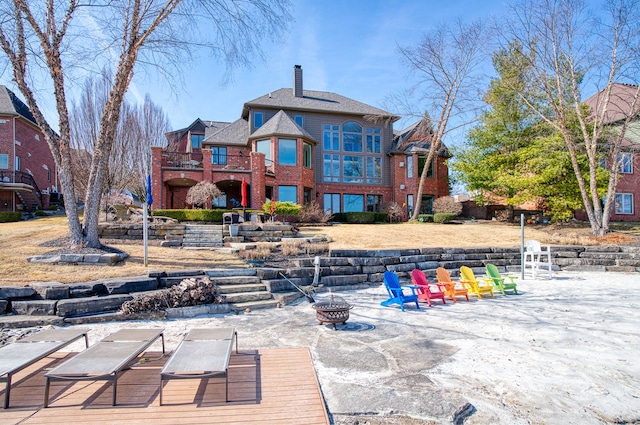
182	159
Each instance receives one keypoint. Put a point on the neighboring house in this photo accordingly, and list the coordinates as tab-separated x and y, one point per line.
28	174
301	146
623	102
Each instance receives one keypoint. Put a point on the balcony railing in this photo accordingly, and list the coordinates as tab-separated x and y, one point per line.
7	176
182	159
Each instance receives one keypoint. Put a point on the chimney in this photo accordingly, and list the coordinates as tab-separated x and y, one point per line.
297	81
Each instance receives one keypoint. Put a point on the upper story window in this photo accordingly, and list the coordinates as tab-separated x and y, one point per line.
264	147
624	203
351	137
373	140
331	137
287	152
219	156
258	119
625	163
17	163
409	160
306	155
4	161
299	120
421	162
196	141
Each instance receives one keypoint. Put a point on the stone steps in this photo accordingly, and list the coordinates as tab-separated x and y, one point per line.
202	236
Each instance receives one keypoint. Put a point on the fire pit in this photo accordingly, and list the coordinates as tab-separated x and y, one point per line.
335	310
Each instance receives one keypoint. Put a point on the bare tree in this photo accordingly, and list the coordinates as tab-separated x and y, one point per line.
202	193
444	62
51	44
570	50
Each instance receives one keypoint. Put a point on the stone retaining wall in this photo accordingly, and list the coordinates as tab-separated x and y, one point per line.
134	230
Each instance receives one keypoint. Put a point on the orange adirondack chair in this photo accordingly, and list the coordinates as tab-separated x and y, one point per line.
453	288
475	286
425	292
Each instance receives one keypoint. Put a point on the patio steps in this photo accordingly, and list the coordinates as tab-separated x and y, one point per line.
243	289
202	236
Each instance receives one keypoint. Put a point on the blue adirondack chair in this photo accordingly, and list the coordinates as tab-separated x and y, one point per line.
395	291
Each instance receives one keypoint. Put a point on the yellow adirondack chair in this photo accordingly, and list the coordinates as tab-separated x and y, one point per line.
475	286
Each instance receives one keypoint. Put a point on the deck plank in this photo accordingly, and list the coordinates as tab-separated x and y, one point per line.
281	388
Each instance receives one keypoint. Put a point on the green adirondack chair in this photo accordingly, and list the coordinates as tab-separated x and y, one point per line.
498	281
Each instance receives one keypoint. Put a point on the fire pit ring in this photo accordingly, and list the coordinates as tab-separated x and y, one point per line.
334	310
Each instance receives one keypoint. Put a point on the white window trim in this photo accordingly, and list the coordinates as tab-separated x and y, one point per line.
619	211
621	162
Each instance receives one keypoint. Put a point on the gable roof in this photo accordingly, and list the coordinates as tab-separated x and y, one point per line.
314	101
235	133
620	102
416	139
209	127
281	124
11	105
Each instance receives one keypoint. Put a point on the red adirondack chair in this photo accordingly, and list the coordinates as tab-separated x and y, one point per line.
425	290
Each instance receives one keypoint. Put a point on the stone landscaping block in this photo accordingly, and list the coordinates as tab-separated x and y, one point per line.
362	261
303	272
373	269
171	243
34	307
11	292
185	273
127	285
71	258
424	265
609	248
344	280
91	305
51	290
91	258
344	270
407	267
412	259
86	289
50	259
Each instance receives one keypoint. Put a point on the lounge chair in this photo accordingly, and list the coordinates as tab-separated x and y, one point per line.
25	352
203	353
477	287
425	292
498	281
453	288
105	359
396	293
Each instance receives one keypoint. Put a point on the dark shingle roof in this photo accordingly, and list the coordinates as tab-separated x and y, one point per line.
281	124
11	105
235	133
416	139
313	101
620	102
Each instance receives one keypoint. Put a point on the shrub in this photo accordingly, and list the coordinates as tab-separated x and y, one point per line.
360	217
447	204
313	213
212	216
9	217
394	211
443	217
39	213
425	218
340	217
282	208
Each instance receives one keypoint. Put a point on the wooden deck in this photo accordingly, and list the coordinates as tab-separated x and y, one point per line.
280	388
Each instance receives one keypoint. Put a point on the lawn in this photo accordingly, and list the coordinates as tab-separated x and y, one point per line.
23	239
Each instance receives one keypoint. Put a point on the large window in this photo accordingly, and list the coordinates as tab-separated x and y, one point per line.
373	140
351	137
374	170
288	194
264	147
410	205
331	137
4	161
625	163
353	203
287	152
331	168
624	203
374	203
219	156
332	202
306	155
352	169
196	141
258	119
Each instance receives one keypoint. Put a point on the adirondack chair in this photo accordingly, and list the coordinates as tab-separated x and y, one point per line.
498	281
477	287
453	288
396	293
424	289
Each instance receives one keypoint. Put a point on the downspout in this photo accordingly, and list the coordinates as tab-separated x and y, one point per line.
14	161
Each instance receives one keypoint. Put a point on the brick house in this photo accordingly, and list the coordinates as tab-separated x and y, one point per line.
627	205
28	174
301	146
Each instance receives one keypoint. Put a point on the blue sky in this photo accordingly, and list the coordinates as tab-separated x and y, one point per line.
344	46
